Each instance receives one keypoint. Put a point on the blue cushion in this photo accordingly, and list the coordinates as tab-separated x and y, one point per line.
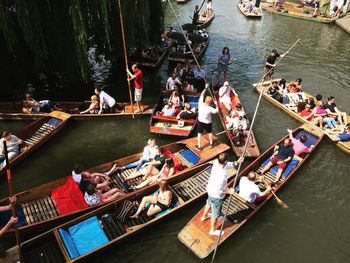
68	243
291	165
6	215
88	235
53	121
169	209
193	101
311	139
190	156
174	203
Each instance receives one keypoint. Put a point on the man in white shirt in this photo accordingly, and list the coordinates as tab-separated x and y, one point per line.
248	188
205	110
216	189
107	102
13	147
76	173
172	82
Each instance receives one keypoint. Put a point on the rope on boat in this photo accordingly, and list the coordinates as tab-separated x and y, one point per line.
245	149
125	56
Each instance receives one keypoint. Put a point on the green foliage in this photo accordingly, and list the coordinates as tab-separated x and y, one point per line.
54	36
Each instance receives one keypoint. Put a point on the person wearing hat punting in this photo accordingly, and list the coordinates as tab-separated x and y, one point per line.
225	95
270	64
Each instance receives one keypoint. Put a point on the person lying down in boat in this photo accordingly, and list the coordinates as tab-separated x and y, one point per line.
167	170
94	196
282	155
159	202
31	106
343	135
249	189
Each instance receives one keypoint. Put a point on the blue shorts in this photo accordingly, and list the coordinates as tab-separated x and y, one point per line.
215	205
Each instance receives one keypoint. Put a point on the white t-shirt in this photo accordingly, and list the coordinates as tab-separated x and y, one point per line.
205	111
12	145
168	111
76	177
248	190
107	99
149	152
172	82
217	182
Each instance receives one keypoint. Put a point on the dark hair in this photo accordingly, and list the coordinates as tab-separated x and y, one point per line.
274	82
78	168
222	158
299	80
225	48
239	106
90	189
348	127
330	98
303	138
319	97
301	106
5	134
161	150
170	162
312	103
283	82
274	51
98	89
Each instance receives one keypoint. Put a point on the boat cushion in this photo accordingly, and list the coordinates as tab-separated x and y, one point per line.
193	101
6	215
291	165
53	121
68	243
177	163
68	197
190	156
311	139
88	235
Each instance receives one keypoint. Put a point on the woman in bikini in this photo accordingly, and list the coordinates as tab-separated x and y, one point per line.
159	202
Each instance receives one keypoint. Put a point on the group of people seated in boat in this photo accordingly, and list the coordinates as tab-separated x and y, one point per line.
187	77
32	106
249	7
236	119
13	144
95	186
315	110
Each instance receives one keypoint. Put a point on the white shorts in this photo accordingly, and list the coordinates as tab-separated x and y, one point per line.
153	172
138	95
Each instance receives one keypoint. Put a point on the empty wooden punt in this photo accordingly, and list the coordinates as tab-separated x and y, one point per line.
38	211
52	247
195	235
37	133
345	146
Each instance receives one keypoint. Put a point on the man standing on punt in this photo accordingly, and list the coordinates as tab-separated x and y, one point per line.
216	189
138	84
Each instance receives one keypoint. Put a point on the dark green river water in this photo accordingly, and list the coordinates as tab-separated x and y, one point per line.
316	226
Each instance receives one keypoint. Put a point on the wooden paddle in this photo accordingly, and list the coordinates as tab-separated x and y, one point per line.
279	201
13	208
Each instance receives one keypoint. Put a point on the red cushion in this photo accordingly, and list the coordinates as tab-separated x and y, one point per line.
177	163
68	197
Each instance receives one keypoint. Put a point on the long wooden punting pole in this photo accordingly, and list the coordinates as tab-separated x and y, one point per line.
13	208
125	56
244	151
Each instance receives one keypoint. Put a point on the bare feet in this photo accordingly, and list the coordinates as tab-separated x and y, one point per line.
216	233
204	218
135	216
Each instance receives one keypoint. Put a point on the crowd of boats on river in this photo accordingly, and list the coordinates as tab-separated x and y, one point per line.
54	222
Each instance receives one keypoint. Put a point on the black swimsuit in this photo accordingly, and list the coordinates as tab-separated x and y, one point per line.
162	206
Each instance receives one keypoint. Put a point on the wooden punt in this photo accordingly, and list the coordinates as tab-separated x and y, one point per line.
13	111
195	234
37	133
249	14
51	246
169	125
151	62
39	211
205	20
296	11
253	148
179	56
345	146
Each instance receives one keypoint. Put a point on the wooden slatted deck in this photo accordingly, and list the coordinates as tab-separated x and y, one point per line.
40	210
48	254
44	130
193	186
238	210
